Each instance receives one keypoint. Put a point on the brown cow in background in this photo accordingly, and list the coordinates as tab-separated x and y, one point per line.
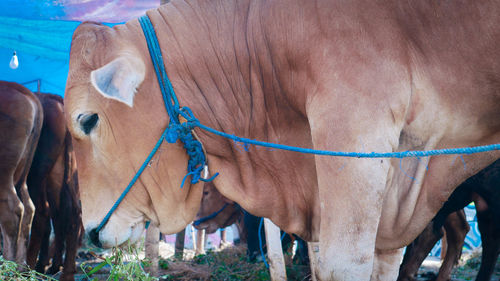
216	211
21	118
483	190
53	186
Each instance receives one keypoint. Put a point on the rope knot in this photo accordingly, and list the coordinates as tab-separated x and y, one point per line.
194	149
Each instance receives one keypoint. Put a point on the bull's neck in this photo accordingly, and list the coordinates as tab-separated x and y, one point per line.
222	66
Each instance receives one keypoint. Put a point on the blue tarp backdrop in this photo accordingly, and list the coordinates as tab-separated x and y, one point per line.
40	32
42	48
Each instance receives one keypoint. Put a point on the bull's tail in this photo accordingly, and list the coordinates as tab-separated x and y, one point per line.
70	190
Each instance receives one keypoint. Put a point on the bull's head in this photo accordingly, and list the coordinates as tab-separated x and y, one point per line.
115	114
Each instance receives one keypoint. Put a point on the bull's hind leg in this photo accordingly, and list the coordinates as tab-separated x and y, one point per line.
11	214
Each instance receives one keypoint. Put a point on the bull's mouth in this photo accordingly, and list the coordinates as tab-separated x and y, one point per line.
110	237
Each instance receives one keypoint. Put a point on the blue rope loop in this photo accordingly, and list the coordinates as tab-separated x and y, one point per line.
194	122
176	129
211	216
131	183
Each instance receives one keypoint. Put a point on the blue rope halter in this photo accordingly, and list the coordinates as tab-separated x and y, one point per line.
174	131
197	160
211	216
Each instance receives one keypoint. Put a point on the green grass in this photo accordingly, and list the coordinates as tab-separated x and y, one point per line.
229	264
11	271
123	265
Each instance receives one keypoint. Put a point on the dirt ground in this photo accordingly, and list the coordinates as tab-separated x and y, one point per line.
466	270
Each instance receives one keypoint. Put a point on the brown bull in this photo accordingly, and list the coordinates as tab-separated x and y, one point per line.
21	117
53	187
334	75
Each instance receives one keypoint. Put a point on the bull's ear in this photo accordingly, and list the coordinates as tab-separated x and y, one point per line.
119	79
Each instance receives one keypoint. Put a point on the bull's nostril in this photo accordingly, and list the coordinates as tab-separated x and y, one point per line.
94	237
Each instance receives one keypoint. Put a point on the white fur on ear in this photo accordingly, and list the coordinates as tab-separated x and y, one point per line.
119	79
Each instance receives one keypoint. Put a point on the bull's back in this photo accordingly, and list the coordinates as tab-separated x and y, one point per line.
20	123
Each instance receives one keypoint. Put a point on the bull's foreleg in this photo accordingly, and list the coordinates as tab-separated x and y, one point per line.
359	118
351	195
386	264
351	190
351	203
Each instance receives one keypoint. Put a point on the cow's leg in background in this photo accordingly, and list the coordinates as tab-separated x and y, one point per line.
200	242
11	214
41	223
456	228
69	205
223	239
274	251
417	251
489	228
56	195
44	254
152	246
251	224
27	219
179	244
57	258
72	228
21	122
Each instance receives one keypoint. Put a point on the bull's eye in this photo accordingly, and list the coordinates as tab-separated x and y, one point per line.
88	122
